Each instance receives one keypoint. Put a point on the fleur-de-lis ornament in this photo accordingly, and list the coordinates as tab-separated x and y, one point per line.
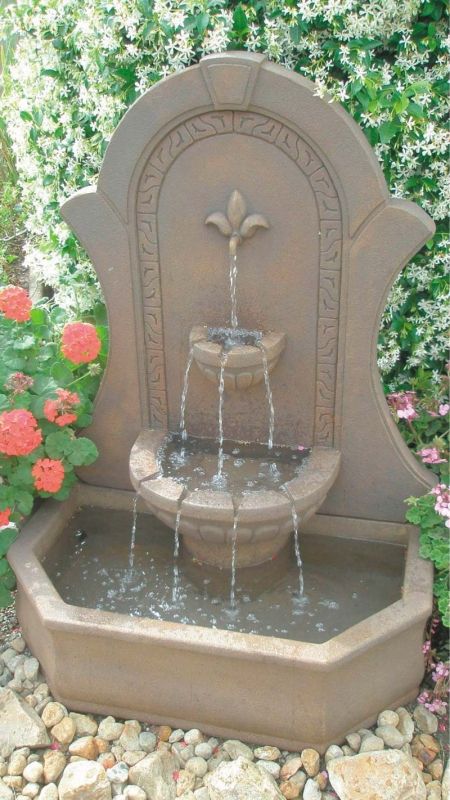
235	225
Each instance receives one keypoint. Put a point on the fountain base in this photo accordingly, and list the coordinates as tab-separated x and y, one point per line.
317	692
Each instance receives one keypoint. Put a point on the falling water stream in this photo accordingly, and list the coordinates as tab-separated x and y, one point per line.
268	395
298	557
176	553
233	288
183	430
223	362
233	563
133	533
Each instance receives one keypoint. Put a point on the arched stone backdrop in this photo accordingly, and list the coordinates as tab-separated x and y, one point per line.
238	121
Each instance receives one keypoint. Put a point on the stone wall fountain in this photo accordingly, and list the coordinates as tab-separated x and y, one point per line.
245	241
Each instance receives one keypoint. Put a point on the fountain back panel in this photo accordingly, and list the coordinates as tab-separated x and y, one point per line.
245	241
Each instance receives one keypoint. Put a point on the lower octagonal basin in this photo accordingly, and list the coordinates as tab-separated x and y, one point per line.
111	640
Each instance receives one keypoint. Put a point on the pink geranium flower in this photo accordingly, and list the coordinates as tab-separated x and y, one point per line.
431	455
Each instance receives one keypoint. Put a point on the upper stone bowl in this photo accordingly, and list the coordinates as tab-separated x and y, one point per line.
207	517
243	361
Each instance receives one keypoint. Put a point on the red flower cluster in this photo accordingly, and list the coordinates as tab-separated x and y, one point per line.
48	475
4	517
60	411
80	342
15	303
18	383
19	432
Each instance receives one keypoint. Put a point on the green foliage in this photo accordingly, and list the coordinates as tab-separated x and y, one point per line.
32	370
434	545
79	65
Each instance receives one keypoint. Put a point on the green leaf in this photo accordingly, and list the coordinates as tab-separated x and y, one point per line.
60	443
62	374
43	384
83	452
7	537
6	597
24	501
387	131
240	23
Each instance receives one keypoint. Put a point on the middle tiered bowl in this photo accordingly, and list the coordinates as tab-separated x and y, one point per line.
241	353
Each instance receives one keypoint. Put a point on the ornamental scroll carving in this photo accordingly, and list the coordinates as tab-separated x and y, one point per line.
330	221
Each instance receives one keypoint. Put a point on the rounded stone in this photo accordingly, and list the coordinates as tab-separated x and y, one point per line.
84	779
134	793
204	750
31	790
17	764
164	732
311	761
289	790
425	720
390	736
334	751
85	747
176	736
52	714
118	773
34	772
267	753
388	718
194	736
185	781
197	765
64	731
85	725
371	743
109	729
271	767
49	792
147	741
234	748
311	790
54	764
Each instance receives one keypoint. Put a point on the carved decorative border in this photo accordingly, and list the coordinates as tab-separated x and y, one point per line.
162	157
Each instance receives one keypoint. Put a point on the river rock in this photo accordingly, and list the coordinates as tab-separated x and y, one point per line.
129	738
405	724
64	731
185	782
271	767
267	753
49	792
118	773
53	713
240	779
5	792
290	768
311	790
147	741
155	774
19	724
54	764
386	775
334	751
425	720
84	724
446	782
434	791
194	736
391	736
84	780
85	747
388	718
235	749
197	765
371	743
311	761
109	729
134	793
204	750
34	772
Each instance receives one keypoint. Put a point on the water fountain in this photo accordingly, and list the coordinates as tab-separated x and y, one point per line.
245	241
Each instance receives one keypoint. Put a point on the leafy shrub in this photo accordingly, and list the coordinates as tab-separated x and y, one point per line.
49	375
434	540
423	421
79	64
